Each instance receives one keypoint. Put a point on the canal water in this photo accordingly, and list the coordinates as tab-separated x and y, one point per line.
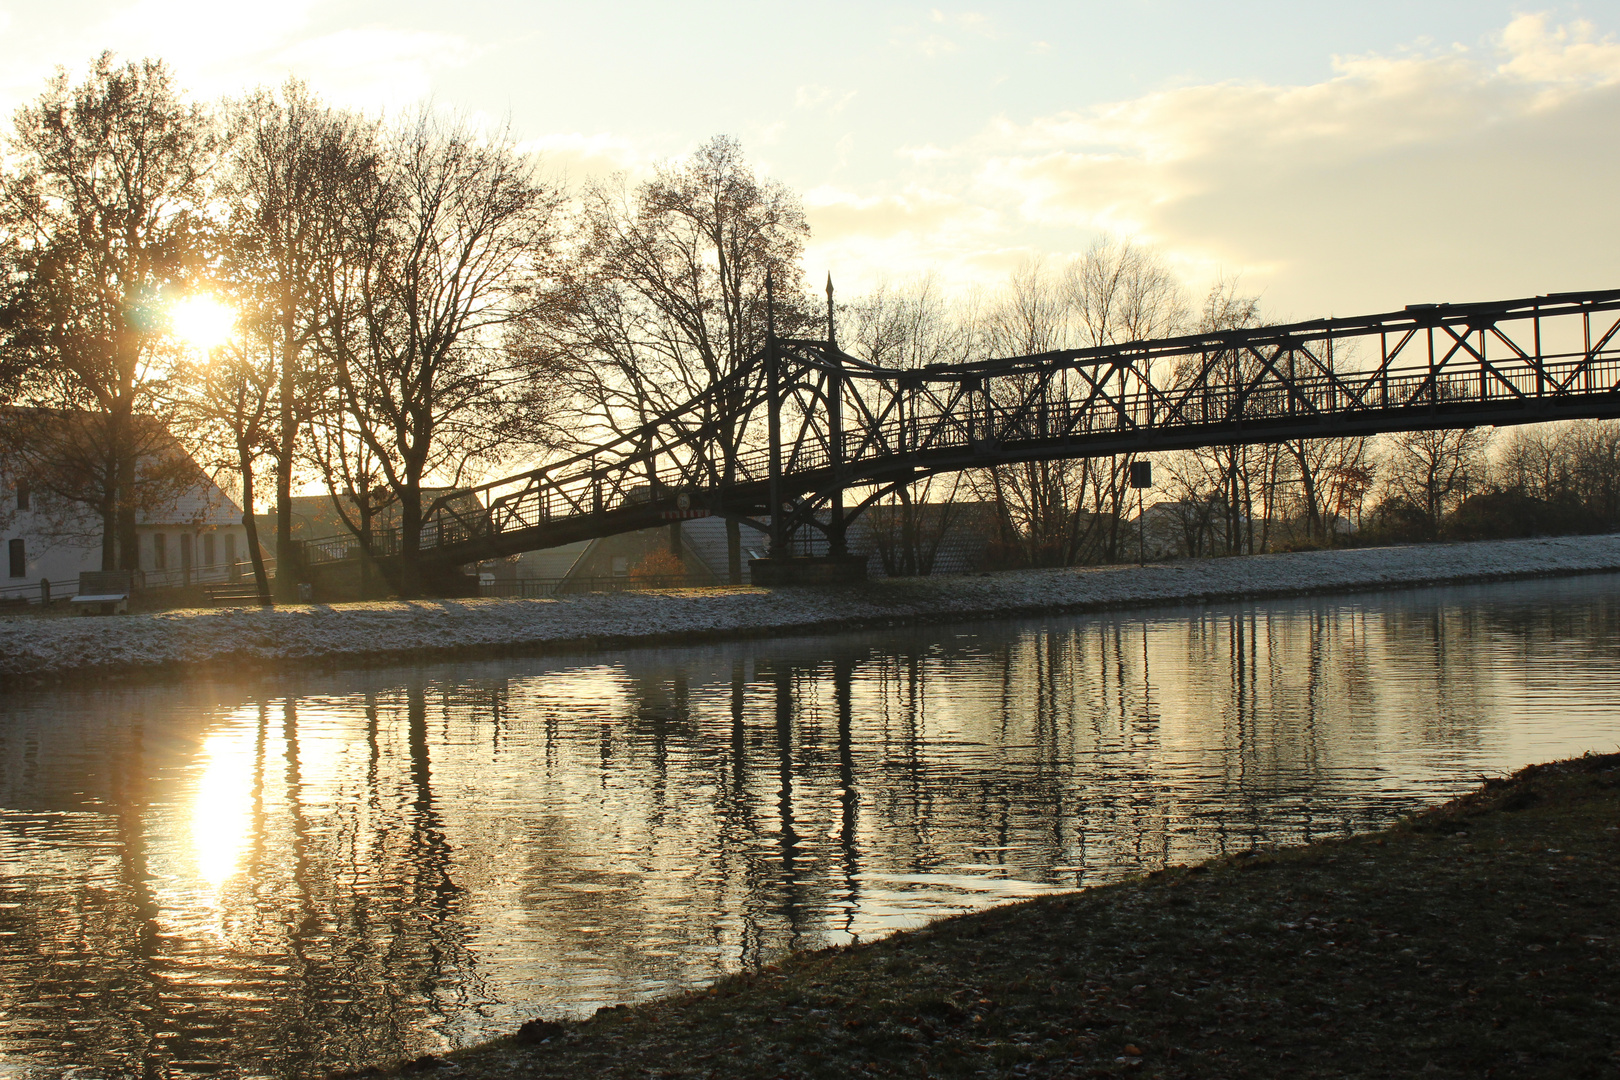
292	875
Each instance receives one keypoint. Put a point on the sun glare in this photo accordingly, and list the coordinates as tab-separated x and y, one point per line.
219	820
202	321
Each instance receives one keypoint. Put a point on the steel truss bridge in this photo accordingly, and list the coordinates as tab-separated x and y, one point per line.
808	436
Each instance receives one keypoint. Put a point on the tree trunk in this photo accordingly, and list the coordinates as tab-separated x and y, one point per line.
1314	524
366	551
908	534
123	453
260	577
109	533
286	586
109	514
1268	498
410	538
129	552
286	590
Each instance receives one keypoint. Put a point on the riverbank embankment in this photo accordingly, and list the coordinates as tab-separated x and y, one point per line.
232	641
1479	938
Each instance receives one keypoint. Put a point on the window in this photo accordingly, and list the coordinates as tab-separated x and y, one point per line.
185	552
160	551
24	496
19	559
230	557
208	551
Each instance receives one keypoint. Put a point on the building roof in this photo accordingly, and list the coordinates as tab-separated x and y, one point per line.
200	503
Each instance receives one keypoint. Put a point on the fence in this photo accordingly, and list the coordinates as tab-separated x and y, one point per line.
151	583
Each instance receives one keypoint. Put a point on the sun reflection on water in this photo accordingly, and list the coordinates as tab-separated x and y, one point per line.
422	857
221	808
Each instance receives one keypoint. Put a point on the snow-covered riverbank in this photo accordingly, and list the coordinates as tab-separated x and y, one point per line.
230	640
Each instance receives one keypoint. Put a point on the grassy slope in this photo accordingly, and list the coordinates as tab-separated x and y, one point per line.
1479	938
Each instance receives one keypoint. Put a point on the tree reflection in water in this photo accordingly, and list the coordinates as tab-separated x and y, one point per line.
302	874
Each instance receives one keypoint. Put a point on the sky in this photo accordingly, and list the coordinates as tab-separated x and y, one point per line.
1338	158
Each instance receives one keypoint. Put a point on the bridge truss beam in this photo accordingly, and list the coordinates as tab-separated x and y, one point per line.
816	422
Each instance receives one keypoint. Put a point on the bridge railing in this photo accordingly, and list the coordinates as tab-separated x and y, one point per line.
1341	394
384	544
546	500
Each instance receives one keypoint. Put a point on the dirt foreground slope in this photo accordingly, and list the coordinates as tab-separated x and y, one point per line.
1480	938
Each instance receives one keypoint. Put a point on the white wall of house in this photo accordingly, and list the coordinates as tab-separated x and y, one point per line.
42	557
199	540
189	554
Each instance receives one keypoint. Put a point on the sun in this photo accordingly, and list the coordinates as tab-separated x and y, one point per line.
202	321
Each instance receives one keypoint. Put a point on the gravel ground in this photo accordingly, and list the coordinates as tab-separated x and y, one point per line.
1476	939
35	649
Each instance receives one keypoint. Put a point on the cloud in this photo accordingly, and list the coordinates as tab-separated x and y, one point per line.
210	44
937	37
839	214
177	27
1566	54
572	156
376	66
965	20
1421	176
822	99
935	45
865	237
221	49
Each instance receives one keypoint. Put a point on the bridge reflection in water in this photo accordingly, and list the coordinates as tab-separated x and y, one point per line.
282	879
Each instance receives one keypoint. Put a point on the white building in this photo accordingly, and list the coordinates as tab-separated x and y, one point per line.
197	539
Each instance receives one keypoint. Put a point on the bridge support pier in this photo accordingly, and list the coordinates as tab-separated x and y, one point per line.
836	545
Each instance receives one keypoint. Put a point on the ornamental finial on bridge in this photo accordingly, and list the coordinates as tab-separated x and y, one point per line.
770	305
832	337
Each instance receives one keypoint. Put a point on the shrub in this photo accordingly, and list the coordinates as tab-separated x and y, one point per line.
658	564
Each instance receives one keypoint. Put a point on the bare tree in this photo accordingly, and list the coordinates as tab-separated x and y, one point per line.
909	527
355	483
669	294
226	404
1195	486
1595	447
71	459
1035	501
1538	462
1246	474
101	211
1032	314
908	325
1070	511
1434	471
1118	292
293	168
1333	476
446	256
